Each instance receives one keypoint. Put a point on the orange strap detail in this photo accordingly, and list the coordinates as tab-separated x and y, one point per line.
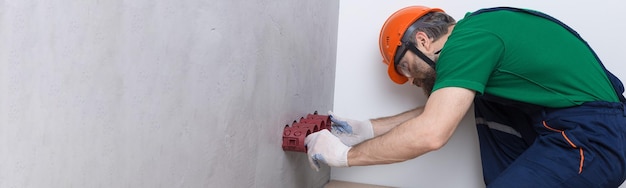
582	160
582	155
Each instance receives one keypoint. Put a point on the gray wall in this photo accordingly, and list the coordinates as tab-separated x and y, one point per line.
170	93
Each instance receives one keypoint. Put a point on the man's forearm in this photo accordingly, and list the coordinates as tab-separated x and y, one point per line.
417	136
384	124
402	143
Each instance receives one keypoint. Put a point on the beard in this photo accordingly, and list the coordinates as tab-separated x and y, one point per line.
429	82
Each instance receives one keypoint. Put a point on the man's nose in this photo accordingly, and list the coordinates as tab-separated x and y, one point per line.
415	82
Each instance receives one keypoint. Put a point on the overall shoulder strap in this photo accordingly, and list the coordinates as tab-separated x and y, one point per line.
617	84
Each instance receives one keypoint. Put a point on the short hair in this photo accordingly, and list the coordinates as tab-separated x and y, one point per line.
434	24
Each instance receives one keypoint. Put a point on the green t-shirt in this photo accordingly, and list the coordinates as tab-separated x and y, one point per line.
522	57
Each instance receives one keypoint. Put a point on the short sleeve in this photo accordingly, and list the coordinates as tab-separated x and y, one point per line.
468	59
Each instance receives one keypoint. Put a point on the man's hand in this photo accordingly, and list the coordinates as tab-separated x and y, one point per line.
349	131
325	147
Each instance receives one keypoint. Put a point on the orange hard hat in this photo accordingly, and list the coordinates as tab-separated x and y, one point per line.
392	33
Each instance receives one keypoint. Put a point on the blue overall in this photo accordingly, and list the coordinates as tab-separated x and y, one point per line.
526	145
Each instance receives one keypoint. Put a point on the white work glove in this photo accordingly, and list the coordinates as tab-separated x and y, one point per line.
325	147
350	131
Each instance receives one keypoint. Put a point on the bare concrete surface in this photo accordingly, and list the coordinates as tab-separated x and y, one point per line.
169	93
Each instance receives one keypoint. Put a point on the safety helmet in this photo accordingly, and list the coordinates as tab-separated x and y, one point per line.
391	36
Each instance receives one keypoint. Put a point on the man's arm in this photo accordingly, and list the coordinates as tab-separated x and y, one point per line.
427	132
384	124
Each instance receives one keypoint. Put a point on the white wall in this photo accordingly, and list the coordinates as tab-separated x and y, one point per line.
363	90
167	93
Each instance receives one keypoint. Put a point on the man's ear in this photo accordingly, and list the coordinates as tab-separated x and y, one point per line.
423	42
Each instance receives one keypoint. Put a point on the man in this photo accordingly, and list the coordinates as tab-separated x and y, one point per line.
548	113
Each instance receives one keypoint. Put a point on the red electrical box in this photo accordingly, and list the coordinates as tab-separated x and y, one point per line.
294	135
